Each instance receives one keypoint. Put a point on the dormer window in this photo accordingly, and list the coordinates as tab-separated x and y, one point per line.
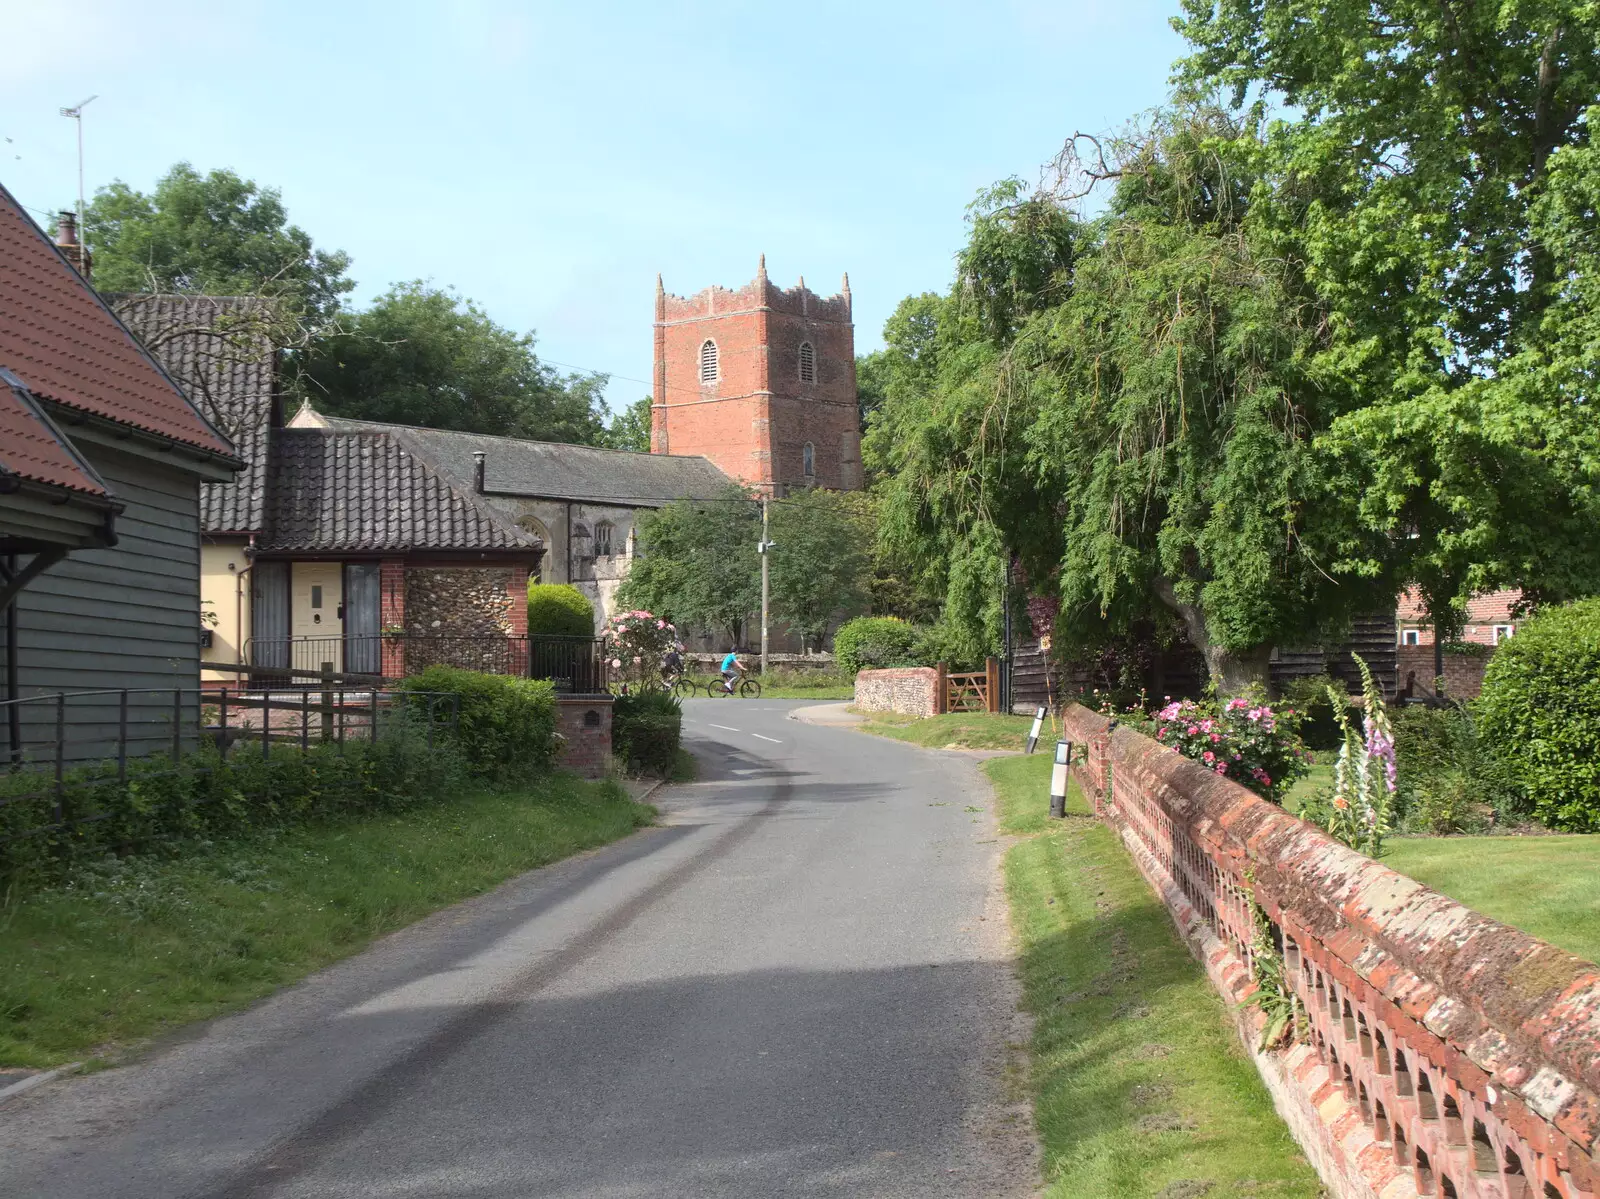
708	361
808	461
808	363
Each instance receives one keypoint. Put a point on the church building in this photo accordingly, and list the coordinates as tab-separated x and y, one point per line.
762	382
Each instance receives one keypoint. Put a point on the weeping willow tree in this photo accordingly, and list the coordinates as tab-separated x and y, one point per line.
1131	403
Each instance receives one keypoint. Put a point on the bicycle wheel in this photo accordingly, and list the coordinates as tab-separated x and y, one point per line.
684	687
750	689
716	689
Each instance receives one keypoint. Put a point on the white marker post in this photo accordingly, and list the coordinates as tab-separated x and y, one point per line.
1058	780
1033	733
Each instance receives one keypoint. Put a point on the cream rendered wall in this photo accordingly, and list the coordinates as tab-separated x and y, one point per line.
320	620
224	593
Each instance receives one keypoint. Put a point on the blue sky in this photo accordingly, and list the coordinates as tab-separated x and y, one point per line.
549	159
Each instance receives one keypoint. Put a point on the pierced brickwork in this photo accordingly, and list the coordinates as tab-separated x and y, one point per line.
1444	1052
754	415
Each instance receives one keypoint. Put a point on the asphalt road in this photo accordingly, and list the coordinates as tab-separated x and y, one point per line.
798	985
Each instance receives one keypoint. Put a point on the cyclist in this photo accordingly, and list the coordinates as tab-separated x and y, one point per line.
672	664
732	668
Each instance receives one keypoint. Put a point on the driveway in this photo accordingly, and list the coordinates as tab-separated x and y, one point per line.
798	985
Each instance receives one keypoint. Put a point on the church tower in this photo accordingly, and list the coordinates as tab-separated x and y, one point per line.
762	381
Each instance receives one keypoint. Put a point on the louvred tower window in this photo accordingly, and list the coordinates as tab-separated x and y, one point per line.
808	363
708	361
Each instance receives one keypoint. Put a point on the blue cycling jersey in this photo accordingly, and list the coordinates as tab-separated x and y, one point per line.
727	663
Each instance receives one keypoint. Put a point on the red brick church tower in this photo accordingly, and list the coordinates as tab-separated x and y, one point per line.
762	381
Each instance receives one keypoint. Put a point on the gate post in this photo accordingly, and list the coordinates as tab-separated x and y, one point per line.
941	688
991	669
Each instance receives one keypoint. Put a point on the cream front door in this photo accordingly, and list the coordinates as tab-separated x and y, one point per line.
316	590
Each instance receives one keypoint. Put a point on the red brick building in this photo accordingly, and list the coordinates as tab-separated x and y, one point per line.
762	381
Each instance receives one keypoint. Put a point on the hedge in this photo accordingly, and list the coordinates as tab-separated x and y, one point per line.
646	730
559	610
871	642
505	724
1539	713
213	795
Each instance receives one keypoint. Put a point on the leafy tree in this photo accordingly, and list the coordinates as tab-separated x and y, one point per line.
822	563
423	355
630	428
214	234
1428	180
695	563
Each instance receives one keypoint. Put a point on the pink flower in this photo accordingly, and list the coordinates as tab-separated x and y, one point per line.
1161	734
1216	737
1222	768
1192	730
1266	780
1208	756
661	624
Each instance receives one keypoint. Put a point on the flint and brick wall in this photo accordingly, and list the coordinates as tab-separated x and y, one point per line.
584	723
912	691
1443	1053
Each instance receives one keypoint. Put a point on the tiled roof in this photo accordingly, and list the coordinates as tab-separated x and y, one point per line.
340	490
218	350
32	448
547	468
66	345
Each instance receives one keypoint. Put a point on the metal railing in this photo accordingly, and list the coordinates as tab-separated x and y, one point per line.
75	744
574	664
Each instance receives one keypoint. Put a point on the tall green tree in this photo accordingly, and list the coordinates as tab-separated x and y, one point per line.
423	355
821	563
1421	175
630	428
212	234
695	563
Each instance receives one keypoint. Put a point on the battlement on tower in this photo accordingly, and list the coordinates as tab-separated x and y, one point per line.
760	293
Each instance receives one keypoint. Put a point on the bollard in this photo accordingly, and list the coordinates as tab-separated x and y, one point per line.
1058	780
1033	733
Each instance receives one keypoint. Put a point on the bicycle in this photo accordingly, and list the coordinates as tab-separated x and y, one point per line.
748	688
680	685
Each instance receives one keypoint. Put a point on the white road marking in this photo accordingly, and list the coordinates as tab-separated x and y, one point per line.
774	740
723	727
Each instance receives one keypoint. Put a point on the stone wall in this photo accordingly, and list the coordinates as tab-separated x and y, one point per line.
584	725
912	691
1442	1053
450	601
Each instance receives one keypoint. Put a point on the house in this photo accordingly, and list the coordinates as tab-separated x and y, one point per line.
102	462
581	502
334	540
1490	619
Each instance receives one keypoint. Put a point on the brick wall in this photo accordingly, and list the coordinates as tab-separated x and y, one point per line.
1443	1053
584	723
913	691
1463	673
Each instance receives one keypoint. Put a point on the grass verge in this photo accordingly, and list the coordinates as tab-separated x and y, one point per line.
1141	1087
131	947
954	730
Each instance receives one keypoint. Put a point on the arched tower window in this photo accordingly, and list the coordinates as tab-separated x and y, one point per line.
602	539
708	361
808	460
808	363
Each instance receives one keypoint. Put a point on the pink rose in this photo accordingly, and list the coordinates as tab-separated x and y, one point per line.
1193	730
1215	737
1208	756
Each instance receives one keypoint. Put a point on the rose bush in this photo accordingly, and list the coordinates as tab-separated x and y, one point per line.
1244	740
635	644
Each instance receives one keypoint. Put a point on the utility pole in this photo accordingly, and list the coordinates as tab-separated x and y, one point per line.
766	581
76	113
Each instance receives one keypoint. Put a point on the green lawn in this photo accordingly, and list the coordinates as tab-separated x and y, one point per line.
140	945
1547	886
1141	1087
955	730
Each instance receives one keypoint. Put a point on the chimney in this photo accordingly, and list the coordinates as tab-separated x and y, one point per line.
477	471
67	242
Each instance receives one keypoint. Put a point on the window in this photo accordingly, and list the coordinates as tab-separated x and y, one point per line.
602	539
808	460
1504	632
708	361
808	363
1411	637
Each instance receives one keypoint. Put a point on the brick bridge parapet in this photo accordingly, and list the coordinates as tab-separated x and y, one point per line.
1442	1052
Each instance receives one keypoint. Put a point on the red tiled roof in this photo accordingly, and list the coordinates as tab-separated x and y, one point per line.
31	449
67	346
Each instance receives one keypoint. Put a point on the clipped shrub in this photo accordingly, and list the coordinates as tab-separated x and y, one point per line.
941	642
873	642
559	610
211	795
505	724
1539	713
646	729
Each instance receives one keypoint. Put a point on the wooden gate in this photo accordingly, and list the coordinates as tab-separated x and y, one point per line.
969	690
